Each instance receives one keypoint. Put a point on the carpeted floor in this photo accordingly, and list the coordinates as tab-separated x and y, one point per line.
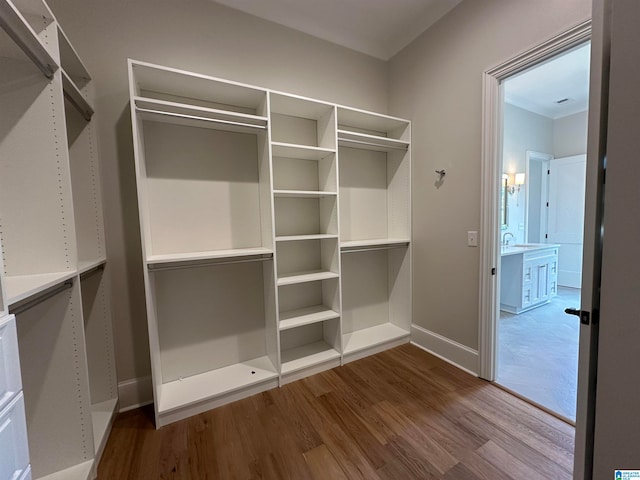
538	353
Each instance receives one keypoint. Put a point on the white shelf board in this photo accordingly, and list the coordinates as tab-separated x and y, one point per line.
294	238
302	277
82	471
370	142
197	388
200	257
296	106
74	95
372	336
306	316
69	59
357	245
161	79
369	121
301	152
85	266
17	27
102	415
20	287
302	194
307	356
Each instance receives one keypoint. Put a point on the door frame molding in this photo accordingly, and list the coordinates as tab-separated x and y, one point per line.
492	117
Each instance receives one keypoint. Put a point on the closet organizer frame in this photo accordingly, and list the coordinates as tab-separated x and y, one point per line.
298	176
49	244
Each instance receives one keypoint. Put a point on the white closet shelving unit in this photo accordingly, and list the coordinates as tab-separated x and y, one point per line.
256	273
53	255
375	227
204	190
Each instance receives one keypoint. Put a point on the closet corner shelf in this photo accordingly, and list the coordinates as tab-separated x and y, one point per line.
205	386
86	266
372	336
81	471
193	115
74	95
306	316
102	416
379	243
23	35
302	194
370	142
294	238
303	277
21	287
307	356
301	152
157	261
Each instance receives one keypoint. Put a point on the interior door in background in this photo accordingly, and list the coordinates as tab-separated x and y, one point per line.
566	216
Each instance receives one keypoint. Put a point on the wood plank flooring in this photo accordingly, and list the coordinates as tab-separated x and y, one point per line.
400	414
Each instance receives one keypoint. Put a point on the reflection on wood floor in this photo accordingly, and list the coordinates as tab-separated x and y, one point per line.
538	353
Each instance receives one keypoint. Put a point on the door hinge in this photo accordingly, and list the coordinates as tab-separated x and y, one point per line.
547	204
546	235
548	172
493	271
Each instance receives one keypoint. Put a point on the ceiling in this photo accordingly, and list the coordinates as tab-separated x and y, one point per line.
540	88
380	28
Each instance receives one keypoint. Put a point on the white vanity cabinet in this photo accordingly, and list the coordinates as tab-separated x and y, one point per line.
529	277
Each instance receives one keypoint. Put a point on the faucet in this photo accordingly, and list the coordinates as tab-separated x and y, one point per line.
506	242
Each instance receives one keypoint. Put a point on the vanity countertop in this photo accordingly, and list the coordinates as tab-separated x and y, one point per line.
520	248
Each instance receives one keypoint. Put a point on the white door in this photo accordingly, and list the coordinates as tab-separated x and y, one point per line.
566	215
608	421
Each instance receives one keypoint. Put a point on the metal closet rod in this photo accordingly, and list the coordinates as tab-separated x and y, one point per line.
154	268
92	271
42	297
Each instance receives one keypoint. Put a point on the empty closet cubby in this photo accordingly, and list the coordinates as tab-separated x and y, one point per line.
376	299
307	260
216	335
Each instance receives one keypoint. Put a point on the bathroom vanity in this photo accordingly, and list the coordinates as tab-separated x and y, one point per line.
528	276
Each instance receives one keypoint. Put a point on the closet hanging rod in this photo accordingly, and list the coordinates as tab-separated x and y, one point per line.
373	249
174	266
12	22
201	119
42	297
92	271
73	94
346	142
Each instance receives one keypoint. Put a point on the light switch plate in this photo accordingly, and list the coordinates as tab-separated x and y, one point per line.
472	239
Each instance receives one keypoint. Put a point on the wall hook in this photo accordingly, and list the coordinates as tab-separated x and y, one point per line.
442	173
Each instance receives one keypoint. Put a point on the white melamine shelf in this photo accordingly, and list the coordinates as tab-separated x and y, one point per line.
302	194
346	247
102	414
301	152
88	265
74	95
20	287
306	316
81	471
307	356
209	255
370	142
14	23
293	238
186	114
204	386
372	336
302	277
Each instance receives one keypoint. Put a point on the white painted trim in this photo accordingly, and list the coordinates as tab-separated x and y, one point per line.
135	393
452	352
490	167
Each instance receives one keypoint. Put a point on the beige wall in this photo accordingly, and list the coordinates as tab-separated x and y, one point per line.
570	135
437	82
205	37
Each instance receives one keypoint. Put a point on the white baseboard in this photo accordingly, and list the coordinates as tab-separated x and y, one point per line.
135	393
455	353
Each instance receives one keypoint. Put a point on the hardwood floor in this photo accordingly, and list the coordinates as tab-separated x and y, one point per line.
400	414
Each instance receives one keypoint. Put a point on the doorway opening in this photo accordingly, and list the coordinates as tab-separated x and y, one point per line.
544	144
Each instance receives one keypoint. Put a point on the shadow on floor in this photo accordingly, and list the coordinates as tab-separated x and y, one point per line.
538	353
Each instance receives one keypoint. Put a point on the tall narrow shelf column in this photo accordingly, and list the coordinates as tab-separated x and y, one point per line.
204	193
51	233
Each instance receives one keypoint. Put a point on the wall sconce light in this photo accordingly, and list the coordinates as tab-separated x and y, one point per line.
514	182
